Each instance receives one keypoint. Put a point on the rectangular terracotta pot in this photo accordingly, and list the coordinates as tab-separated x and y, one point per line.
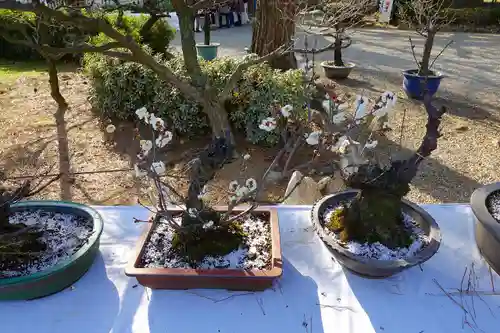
231	279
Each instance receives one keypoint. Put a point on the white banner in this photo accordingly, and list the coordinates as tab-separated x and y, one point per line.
385	11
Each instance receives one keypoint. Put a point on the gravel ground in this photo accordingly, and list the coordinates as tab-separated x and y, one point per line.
464	160
466	154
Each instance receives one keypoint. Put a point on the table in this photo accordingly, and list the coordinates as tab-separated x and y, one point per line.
315	294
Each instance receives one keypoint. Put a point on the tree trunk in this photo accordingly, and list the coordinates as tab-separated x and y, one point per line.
54	84
337	53
426	56
218	117
62	133
273	28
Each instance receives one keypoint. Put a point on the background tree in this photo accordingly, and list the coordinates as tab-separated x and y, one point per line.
274	26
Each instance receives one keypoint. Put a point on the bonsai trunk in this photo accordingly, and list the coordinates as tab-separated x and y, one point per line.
375	216
206	29
268	36
426	56
337	53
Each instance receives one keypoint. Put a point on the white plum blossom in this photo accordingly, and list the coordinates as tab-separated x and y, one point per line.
387	102
142	113
158	168
208	225
246	157
242	191
371	144
268	124
139	172
339	118
285	111
193	212
389	97
164	139
342	143
156	123
110	128
251	184
313	138
360	104
146	146
233	186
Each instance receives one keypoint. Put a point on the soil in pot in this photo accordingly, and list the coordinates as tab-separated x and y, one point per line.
493	205
243	244
48	239
413	238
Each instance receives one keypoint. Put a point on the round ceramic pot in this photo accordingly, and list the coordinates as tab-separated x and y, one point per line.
337	72
487	228
207	52
373	268
415	85
66	272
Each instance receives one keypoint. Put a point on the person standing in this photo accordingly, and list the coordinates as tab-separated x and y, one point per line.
244	15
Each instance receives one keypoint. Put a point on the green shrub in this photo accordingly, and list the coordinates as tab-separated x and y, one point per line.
476	17
158	39
120	88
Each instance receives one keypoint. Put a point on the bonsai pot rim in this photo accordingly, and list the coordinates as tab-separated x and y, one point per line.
82	258
325	64
377	268
480	210
202	45
414	73
268	275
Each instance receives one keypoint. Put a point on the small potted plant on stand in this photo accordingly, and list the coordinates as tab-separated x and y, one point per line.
45	246
485	204
207	50
427	17
339	17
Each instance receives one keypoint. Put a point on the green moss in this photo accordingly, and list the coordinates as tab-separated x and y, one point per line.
336	222
196	243
372	217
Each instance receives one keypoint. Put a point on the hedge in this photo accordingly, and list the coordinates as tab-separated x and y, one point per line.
476	17
119	88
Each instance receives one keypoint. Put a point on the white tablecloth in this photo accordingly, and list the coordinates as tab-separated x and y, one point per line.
315	294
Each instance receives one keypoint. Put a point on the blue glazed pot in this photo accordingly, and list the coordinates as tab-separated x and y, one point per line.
415	85
207	52
66	272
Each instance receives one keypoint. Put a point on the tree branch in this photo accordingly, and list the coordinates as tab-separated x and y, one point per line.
235	77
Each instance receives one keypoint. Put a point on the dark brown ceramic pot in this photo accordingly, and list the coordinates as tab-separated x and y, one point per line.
487	229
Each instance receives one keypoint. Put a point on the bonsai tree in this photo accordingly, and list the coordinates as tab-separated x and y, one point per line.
376	212
427	17
18	241
201	231
335	19
344	137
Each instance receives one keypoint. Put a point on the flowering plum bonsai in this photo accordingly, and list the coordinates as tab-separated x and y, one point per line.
375	214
